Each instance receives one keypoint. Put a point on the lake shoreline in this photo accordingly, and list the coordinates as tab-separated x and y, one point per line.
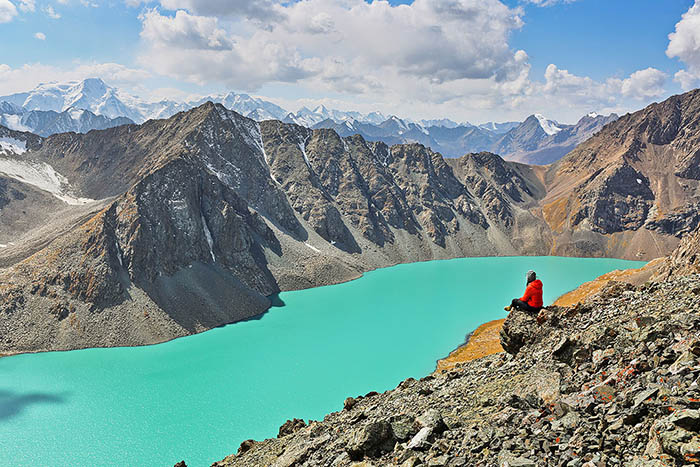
359	275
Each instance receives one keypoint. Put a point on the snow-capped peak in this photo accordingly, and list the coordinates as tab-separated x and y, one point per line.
592	115
549	126
399	122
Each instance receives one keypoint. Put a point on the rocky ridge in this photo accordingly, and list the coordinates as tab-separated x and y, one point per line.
611	381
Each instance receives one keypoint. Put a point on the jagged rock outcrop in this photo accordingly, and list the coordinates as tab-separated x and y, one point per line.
614	381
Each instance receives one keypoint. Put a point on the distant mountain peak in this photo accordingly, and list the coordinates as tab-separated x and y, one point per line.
549	126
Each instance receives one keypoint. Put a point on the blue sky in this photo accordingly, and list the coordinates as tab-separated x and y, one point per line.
463	59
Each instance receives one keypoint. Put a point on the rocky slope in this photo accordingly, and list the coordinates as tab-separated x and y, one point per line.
631	185
197	218
613	381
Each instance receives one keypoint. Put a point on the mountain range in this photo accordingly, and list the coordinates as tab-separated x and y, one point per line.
536	140
141	233
49	122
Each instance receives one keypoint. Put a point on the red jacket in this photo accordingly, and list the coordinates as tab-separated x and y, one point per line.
533	294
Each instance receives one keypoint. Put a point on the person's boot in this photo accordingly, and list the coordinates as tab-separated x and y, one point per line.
508	308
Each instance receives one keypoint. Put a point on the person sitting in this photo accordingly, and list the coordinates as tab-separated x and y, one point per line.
532	300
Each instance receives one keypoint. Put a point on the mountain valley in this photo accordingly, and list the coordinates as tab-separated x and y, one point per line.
141	233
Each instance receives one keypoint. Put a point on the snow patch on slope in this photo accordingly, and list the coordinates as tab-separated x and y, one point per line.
302	147
13	122
312	247
210	240
42	176
548	126
13	145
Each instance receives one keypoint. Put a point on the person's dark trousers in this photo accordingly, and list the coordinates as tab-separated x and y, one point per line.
521	305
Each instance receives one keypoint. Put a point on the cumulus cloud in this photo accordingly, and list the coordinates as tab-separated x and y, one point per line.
7	11
51	12
262	10
430	58
184	31
644	84
40	35
563	91
684	44
336	43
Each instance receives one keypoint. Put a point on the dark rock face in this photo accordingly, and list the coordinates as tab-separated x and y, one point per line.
517	330
615	200
9	193
371	441
290	166
196	211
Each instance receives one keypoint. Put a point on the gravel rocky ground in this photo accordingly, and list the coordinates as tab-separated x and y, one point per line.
612	381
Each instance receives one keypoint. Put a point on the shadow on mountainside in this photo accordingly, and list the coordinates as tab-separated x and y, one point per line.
12	403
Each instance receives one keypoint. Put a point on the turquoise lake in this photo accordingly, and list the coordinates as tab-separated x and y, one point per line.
198	397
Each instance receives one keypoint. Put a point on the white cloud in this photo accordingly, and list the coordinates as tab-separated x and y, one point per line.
430	58
262	10
51	12
335	43
686	79
7	11
561	81
684	44
27	5
40	35
184	31
644	84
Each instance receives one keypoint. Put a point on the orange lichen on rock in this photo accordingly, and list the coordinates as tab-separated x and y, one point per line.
484	341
